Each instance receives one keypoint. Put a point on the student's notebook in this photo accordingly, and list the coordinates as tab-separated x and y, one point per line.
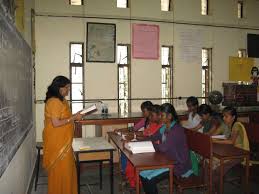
140	147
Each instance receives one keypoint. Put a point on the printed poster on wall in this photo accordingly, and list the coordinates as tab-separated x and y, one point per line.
145	41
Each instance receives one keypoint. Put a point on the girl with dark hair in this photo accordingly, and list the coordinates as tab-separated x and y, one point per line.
237	138
146	112
58	157
212	123
142	123
155	121
194	120
238	135
154	125
172	143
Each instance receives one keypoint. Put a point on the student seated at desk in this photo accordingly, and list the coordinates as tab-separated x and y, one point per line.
146	112
172	143
194	120
154	126
155	121
211	122
237	138
143	123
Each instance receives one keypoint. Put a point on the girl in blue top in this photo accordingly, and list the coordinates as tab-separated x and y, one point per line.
173	144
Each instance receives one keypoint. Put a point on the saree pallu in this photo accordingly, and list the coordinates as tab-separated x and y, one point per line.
58	156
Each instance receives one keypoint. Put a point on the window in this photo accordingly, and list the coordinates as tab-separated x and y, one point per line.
123	62
167	73
122	3
77	76
242	53
76	2
206	78
204	7
239	9
165	5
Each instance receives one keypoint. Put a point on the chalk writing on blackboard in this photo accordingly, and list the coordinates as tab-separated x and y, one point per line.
15	90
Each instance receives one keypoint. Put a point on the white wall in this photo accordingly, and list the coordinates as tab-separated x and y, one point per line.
183	27
17	176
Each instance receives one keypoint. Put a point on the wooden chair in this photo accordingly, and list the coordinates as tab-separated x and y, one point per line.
252	130
202	145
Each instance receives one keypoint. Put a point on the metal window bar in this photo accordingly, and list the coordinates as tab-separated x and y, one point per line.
72	66
124	85
167	75
206	73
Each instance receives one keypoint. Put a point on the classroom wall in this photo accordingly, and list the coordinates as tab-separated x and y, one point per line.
17	176
184	28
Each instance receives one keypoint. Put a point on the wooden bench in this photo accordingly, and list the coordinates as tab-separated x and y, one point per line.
202	145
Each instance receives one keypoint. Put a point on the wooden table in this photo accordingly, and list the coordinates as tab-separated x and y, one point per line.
144	161
110	119
98	150
227	152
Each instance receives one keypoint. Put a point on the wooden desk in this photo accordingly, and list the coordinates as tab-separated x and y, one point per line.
144	161
110	119
99	150
227	152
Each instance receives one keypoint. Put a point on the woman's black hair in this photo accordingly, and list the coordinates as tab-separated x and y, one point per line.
146	105
53	89
204	109
192	100
232	111
169	109
156	109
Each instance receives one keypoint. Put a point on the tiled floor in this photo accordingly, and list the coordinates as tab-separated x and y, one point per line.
91	176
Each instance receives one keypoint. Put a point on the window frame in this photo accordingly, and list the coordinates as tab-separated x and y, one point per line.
171	52
82	3
127	5
169	6
207	8
83	72
208	86
129	76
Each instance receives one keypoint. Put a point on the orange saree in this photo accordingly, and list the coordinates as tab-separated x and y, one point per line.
58	157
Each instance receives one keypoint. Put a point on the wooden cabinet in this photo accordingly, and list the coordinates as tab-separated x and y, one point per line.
239	94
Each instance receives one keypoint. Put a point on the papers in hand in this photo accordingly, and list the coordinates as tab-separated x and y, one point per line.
140	147
219	137
89	109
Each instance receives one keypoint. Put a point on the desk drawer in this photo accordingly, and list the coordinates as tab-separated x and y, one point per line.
94	156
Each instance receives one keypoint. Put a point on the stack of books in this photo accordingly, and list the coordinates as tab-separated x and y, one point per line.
140	147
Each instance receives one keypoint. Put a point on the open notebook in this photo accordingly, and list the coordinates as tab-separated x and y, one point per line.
140	147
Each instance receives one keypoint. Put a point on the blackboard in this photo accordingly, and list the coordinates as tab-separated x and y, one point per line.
15	90
253	45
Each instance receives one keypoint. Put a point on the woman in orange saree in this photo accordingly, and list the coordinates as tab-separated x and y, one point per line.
58	157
